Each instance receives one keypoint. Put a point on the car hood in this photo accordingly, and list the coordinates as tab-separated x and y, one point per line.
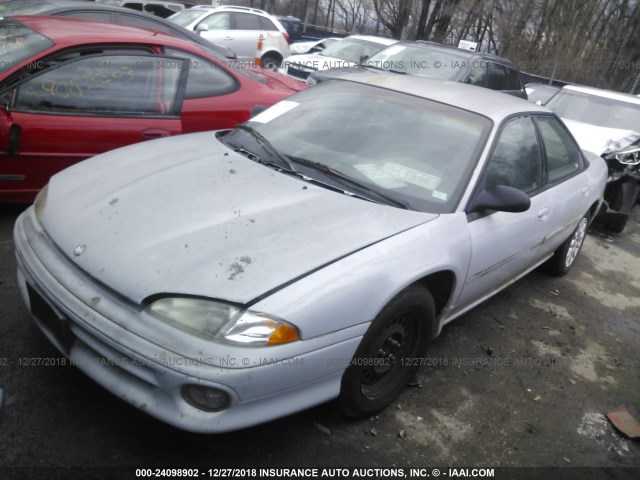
302	47
187	215
600	140
318	62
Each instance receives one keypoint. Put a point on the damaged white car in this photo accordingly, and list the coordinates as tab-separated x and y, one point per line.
608	124
223	279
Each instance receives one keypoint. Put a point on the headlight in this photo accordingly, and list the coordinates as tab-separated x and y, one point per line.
195	316
628	156
40	202
219	321
311	81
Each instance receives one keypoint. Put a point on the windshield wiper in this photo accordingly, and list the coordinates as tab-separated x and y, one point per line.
346	179
283	161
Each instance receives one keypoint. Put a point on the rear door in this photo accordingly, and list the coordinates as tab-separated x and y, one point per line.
246	31
567	186
69	111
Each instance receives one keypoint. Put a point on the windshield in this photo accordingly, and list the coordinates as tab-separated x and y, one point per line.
420	61
186	17
421	159
351	49
23	7
595	110
18	42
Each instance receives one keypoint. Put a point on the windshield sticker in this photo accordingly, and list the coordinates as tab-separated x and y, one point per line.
440	195
379	176
271	113
410	175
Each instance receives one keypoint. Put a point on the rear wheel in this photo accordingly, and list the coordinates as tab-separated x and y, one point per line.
389	354
565	256
270	61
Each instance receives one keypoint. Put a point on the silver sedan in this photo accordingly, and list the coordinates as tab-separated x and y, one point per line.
223	279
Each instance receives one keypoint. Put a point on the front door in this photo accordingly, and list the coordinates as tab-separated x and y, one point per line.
74	110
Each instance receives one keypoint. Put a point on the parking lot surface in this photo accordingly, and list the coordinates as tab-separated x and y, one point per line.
523	380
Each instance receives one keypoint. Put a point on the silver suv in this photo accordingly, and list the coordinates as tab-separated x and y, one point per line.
239	28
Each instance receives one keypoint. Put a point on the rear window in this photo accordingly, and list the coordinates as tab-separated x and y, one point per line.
18	42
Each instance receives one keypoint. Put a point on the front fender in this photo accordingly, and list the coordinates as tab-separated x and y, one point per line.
354	289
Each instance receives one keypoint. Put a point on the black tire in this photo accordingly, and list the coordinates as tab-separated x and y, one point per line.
565	255
616	201
388	356
270	61
617	224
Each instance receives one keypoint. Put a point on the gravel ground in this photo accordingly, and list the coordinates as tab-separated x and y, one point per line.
523	380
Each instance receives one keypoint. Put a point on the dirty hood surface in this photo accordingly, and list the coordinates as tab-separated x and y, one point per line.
600	140
188	215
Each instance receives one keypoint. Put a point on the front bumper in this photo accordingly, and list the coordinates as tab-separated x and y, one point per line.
103	334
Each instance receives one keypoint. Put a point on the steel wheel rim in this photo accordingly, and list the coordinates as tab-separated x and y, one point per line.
576	243
395	343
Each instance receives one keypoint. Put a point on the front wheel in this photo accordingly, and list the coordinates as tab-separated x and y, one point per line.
565	256
389	354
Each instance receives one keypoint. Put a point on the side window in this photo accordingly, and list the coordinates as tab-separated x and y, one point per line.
106	85
158	10
246	21
98	16
133	6
497	77
266	24
218	21
142	22
515	161
206	79
513	80
477	74
563	155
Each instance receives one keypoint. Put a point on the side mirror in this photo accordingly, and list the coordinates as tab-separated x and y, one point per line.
202	27
363	59
501	199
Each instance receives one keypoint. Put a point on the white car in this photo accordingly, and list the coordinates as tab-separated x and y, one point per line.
313	46
346	53
240	29
607	123
223	279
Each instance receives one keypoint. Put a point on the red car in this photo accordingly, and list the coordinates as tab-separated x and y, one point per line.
72	88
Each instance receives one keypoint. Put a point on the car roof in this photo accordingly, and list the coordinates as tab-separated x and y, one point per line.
600	92
490	103
57	7
63	30
373	38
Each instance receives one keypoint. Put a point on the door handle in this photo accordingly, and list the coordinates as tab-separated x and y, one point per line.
585	191
228	38
543	215
155	133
